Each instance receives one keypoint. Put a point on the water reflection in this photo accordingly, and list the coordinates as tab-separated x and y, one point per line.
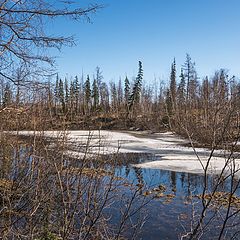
167	220
184	184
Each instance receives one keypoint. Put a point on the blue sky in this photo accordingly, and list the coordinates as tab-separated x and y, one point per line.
153	31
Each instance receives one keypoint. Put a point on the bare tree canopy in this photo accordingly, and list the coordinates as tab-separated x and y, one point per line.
23	36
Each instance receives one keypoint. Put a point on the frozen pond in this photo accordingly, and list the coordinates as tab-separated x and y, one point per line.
170	150
155	160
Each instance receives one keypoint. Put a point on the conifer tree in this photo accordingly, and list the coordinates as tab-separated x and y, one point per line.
61	95
181	91
126	89
76	88
136	91
113	96
87	93
173	84
189	74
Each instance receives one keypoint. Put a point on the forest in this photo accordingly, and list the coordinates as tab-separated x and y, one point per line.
86	157
183	103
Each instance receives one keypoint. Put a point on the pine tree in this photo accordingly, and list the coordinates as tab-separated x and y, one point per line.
181	91
173	85
189	73
135	95
76	88
87	93
61	95
126	89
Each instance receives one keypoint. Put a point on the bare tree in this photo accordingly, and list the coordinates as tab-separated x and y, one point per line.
23	31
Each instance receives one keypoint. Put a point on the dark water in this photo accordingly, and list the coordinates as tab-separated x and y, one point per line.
169	218
164	218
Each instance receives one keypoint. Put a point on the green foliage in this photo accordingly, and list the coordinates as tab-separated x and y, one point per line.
114	95
76	88
126	89
191	77
61	94
87	91
136	91
173	84
181	92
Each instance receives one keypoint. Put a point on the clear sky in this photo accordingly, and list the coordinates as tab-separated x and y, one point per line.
154	31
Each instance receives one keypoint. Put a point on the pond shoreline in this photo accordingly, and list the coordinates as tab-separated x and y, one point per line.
171	150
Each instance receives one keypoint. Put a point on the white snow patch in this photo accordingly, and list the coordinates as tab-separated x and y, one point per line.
166	146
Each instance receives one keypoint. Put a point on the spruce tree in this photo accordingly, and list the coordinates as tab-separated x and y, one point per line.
181	92
87	92
61	94
76	88
113	96
173	85
136	91
189	74
126	89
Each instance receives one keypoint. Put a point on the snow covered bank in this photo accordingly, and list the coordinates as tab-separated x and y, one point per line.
167	147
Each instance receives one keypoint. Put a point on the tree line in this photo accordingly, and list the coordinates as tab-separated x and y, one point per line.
181	101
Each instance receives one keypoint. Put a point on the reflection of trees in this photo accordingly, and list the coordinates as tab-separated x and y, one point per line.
182	179
127	170
44	192
173	181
